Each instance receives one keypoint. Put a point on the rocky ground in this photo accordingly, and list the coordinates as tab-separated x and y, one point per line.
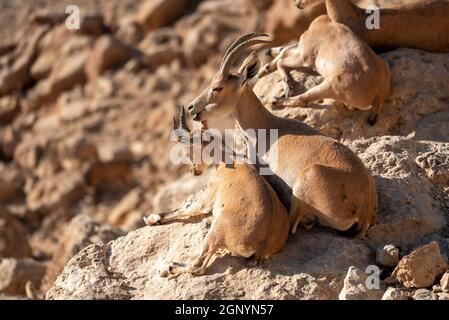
85	118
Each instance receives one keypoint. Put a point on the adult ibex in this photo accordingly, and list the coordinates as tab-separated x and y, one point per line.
353	73
419	24
315	177
248	218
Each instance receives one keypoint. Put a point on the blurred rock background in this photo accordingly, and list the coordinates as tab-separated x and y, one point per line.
85	117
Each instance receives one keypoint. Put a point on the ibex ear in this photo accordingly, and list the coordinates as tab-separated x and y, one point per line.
249	68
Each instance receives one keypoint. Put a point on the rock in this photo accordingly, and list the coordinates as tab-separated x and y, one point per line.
409	206
162	46
424	294
388	256
79	233
172	194
9	139
56	192
108	52
443	296
356	286
416	107
76	150
64	76
436	163
311	266
420	268
126	206
15	273
13	237
9	108
159	13
114	151
11	182
284	22
18	75
444	282
396	294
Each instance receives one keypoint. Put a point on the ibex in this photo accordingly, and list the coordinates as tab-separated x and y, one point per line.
418	25
248	218
353	73
315	177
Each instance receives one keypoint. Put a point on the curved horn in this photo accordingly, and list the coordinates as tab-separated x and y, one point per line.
182	119
240	40
230	59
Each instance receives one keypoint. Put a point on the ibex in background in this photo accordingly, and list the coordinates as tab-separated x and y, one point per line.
353	73
418	25
248	218
316	177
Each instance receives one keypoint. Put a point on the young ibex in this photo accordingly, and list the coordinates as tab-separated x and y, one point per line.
248	218
418	25
353	73
316	177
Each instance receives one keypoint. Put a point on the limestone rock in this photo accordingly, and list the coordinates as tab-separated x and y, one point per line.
420	268
388	256
15	273
357	286
108	52
158	13
13	237
396	294
444	282
56	192
424	294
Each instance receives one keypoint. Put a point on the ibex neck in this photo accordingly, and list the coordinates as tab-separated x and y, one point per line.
342	11
252	114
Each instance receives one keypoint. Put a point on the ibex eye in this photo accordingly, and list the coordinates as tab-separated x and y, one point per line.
217	89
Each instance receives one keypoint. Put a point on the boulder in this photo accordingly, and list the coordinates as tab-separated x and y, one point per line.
11	182
56	192
311	266
357	286
420	268
108	52
13	237
15	273
154	14
79	233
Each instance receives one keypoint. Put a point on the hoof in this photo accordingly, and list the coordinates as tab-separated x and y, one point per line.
152	219
268	52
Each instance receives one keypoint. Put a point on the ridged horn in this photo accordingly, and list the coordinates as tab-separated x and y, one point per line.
182	119
233	55
240	40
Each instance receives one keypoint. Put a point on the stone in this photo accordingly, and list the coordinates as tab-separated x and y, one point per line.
15	273
424	294
9	108
125	207
311	266
396	294
443	296
56	192
79	233
356	286
420	268
11	182
444	282
159	13
388	256
13	237
108	52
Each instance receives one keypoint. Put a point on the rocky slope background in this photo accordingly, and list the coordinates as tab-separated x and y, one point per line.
85	117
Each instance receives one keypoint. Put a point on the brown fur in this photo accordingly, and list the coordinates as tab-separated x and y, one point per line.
353	73
316	177
419	25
